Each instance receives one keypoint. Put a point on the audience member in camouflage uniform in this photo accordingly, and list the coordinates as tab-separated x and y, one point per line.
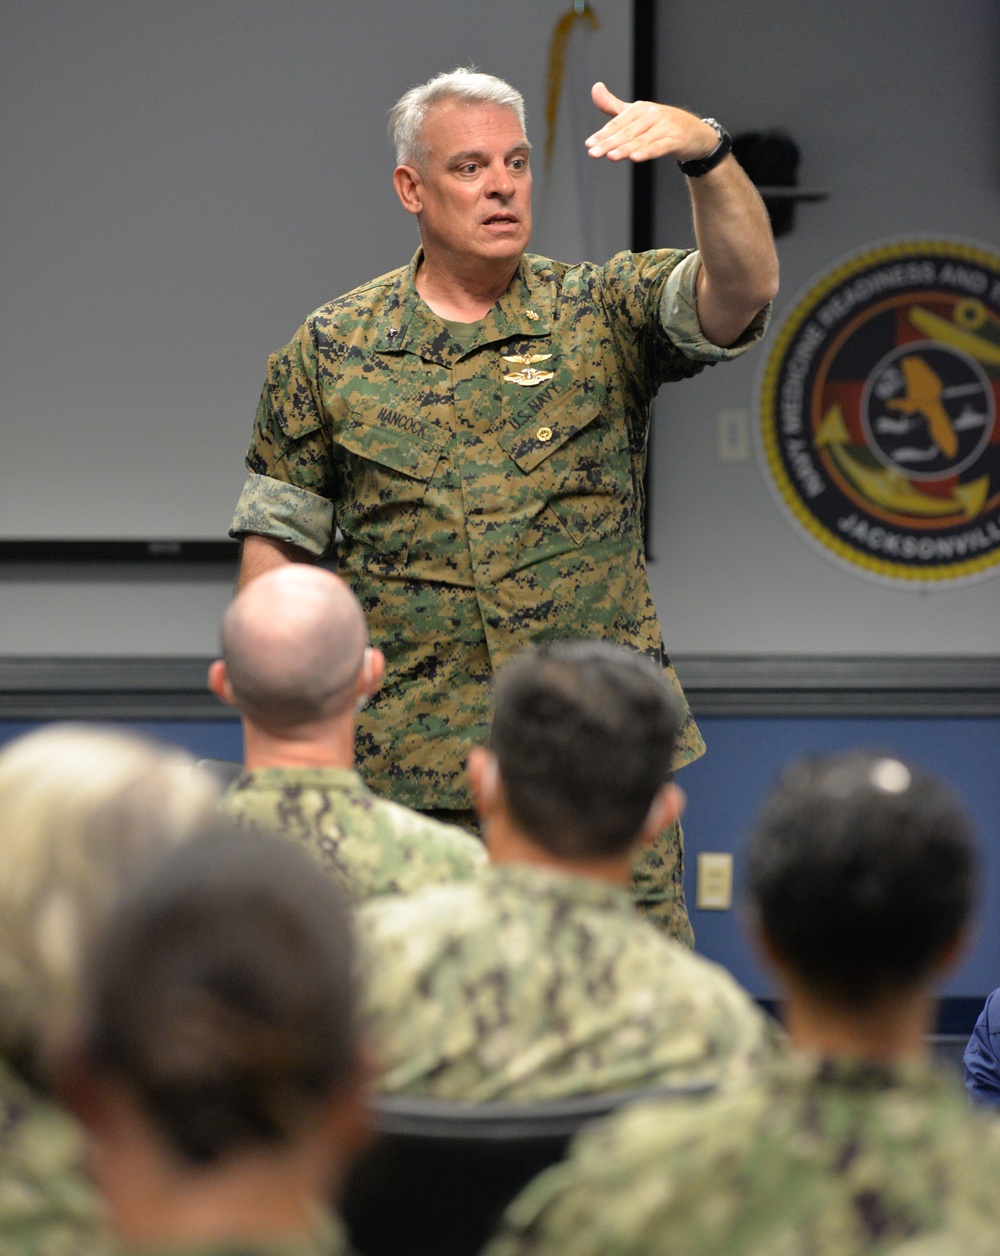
539	980
296	662
862	875
475	425
219	1053
82	811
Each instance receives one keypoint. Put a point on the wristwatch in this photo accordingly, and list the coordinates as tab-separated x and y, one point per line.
702	165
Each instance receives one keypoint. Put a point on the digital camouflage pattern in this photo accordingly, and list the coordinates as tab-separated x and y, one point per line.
330	1239
47	1208
657	884
478	515
371	846
821	1158
532	983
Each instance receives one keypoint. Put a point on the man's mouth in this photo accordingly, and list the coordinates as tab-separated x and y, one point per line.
501	220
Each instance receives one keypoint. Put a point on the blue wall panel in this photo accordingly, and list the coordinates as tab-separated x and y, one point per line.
724	789
205	739
745	755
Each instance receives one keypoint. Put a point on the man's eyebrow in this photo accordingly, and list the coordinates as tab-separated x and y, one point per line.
475	154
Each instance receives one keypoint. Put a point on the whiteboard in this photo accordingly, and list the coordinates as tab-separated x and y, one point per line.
184	183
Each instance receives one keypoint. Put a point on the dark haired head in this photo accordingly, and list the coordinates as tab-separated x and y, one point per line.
222	995
583	733
862	869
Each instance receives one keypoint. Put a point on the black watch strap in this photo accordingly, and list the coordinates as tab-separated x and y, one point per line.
702	165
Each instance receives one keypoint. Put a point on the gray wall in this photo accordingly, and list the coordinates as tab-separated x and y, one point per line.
896	109
192	179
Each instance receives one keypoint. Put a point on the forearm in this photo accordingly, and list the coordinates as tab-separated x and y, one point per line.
264	553
739	265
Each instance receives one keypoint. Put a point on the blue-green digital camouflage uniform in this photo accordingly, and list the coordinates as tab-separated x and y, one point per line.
824	1158
370	845
531	983
47	1208
489	496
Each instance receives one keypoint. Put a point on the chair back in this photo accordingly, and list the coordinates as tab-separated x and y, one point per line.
439	1173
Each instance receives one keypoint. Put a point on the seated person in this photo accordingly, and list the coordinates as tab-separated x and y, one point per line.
297	664
861	874
539	980
82	811
982	1055
218	1069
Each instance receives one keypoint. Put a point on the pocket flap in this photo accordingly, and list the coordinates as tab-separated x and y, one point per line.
390	446
547	423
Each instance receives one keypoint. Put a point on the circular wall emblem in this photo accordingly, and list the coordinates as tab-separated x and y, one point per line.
878	412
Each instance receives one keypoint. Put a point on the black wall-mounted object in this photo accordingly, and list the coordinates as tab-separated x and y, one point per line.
771	160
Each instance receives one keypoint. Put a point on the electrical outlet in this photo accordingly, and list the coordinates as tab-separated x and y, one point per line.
733	435
714	887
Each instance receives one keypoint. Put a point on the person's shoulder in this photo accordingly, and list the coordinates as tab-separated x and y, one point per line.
356	307
690	976
991	1012
46	1204
453	906
408	823
610	1192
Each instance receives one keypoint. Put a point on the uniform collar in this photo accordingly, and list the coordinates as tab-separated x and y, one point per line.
410	326
556	886
345	780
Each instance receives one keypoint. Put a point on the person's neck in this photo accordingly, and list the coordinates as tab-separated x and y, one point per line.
258	1197
460	290
507	844
890	1031
329	745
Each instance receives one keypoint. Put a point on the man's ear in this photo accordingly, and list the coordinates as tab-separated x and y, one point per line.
218	682
484	778
372	671
666	807
406	181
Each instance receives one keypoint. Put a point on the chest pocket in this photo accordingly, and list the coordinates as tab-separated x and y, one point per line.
576	456
385	469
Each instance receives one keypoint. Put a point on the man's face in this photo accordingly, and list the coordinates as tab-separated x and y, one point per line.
473	192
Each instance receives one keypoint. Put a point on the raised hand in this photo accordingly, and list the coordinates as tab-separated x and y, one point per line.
641	130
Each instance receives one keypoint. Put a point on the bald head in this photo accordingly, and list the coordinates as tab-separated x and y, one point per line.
293	642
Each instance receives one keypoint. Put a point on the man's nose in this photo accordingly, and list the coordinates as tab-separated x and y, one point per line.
500	182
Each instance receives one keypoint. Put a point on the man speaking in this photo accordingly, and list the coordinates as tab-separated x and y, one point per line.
475	426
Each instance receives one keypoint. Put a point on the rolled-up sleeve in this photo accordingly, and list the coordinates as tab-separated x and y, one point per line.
269	507
679	317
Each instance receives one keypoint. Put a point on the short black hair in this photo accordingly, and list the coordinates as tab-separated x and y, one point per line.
863	871
584	735
222	994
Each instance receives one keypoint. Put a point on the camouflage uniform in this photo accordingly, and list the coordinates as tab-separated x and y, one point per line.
47	1208
371	846
478	514
329	1240
532	983
823	1158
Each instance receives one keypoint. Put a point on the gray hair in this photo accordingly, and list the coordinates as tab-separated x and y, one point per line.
83	811
468	85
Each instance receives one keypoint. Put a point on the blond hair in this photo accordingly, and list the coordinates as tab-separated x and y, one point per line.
82	811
